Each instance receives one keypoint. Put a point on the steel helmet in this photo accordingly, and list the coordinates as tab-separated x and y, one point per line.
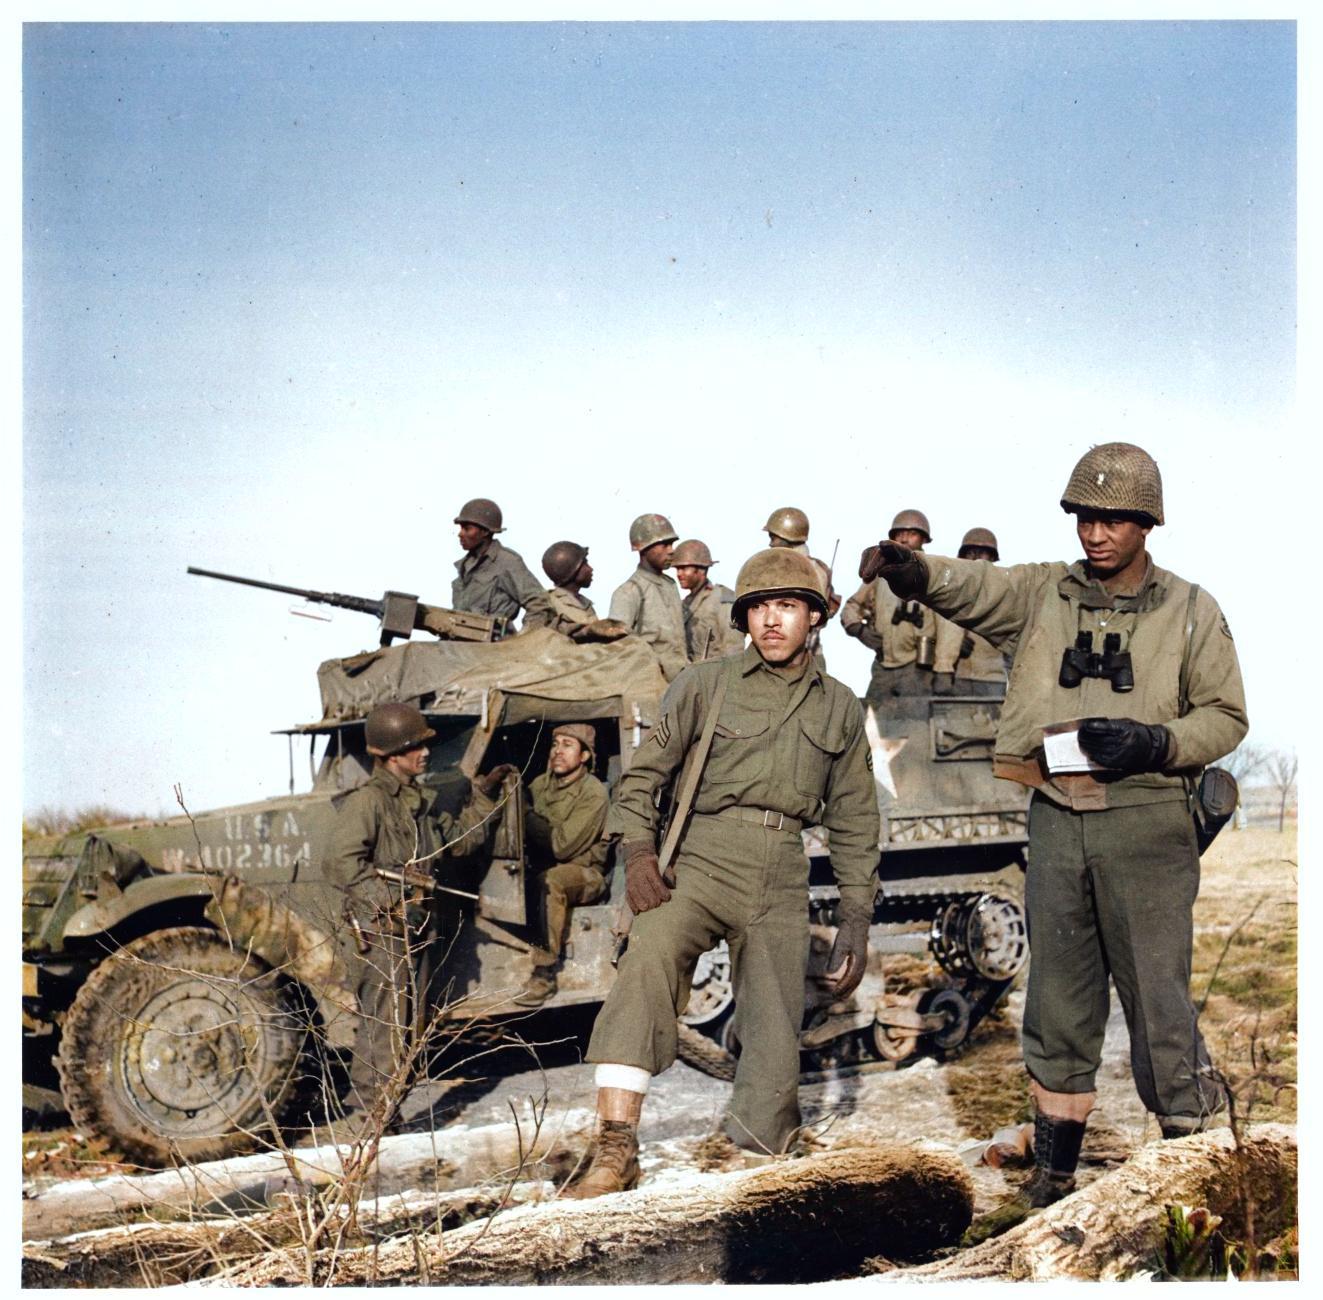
777	571
583	732
394	728
646	530
692	552
1116	477
788	523
984	537
561	560
915	519
486	514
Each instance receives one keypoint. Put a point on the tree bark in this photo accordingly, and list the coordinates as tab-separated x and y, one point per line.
1116	1227
797	1220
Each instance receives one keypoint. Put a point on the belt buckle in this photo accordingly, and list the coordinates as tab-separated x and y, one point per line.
780	820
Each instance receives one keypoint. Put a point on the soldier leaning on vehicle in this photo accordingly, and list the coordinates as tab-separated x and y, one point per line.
787	749
648	602
490	578
383	831
565	608
1147	662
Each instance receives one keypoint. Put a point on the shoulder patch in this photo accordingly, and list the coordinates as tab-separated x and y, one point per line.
868	757
1226	630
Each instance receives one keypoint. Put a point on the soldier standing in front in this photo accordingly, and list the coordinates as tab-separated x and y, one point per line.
648	602
707	626
787	749
1146	661
489	577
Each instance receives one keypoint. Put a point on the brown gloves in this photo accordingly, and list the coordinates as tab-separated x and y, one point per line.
644	886
901	567
492	781
849	956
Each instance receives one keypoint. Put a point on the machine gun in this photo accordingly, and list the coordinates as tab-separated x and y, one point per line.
400	614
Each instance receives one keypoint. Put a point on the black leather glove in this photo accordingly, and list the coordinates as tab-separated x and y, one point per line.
943	683
491	782
849	956
644	886
1124	744
899	565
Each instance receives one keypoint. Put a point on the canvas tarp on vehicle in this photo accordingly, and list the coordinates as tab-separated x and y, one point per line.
454	676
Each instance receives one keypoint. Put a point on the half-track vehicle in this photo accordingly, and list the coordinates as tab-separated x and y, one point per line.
181	976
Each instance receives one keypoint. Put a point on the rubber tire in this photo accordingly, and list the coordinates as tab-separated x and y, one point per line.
104	1033
695	1048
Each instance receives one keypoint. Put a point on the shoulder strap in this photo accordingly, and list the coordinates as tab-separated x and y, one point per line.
693	771
1185	653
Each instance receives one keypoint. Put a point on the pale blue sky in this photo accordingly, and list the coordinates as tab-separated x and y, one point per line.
294	292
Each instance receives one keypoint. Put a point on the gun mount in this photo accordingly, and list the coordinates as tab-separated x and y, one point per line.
399	613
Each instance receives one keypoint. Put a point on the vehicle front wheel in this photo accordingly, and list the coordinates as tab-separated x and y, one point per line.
179	1048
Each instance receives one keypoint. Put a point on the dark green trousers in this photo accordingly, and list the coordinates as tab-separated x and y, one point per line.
1111	894
749	886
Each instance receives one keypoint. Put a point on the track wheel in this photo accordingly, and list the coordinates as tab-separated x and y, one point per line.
955	1009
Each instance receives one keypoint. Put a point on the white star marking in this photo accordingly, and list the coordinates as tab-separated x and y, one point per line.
884	750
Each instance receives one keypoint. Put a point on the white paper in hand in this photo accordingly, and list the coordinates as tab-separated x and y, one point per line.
1061	746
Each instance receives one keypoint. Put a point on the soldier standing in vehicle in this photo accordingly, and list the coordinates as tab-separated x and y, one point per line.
788	527
648	602
787	749
709	633
966	663
565	828
383	831
490	579
902	633
565	608
1147	662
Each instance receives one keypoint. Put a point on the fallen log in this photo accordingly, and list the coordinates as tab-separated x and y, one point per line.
448	1158
797	1220
1116	1226
168	1254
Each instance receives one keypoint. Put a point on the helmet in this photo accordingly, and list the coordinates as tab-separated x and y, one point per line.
393	728
789	523
777	571
692	552
1117	477
915	519
984	537
486	514
648	529
583	732
561	560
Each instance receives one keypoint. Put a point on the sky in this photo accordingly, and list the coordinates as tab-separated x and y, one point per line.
293	292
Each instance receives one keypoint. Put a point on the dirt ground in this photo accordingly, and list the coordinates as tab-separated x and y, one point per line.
1244	974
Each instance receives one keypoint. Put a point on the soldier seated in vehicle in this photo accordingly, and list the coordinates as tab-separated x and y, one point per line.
565	832
384	832
565	608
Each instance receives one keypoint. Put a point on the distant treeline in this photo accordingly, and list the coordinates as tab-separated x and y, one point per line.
58	821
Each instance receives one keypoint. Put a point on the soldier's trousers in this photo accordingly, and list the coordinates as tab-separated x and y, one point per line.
739	882
568	885
1111	893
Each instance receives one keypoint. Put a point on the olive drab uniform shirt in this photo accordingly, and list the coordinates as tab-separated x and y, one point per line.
794	747
575	816
494	580
896	643
388	823
562	610
1035	612
648	604
707	626
966	655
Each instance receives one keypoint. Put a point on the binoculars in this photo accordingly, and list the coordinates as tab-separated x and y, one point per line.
908	611
1081	660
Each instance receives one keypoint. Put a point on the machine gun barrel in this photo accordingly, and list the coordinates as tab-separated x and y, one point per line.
398	612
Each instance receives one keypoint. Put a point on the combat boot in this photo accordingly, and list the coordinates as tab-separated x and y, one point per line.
1056	1154
615	1164
540	986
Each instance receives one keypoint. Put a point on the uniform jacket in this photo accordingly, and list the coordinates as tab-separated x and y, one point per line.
707	628
561	610
896	644
387	823
796	748
575	816
983	663
1034	611
648	603
494	581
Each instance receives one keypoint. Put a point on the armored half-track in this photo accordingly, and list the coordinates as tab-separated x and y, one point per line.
182	978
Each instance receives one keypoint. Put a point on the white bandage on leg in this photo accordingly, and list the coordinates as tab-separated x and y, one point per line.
629	1077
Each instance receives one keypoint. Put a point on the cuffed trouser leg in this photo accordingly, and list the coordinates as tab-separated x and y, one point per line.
748	885
1112	893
